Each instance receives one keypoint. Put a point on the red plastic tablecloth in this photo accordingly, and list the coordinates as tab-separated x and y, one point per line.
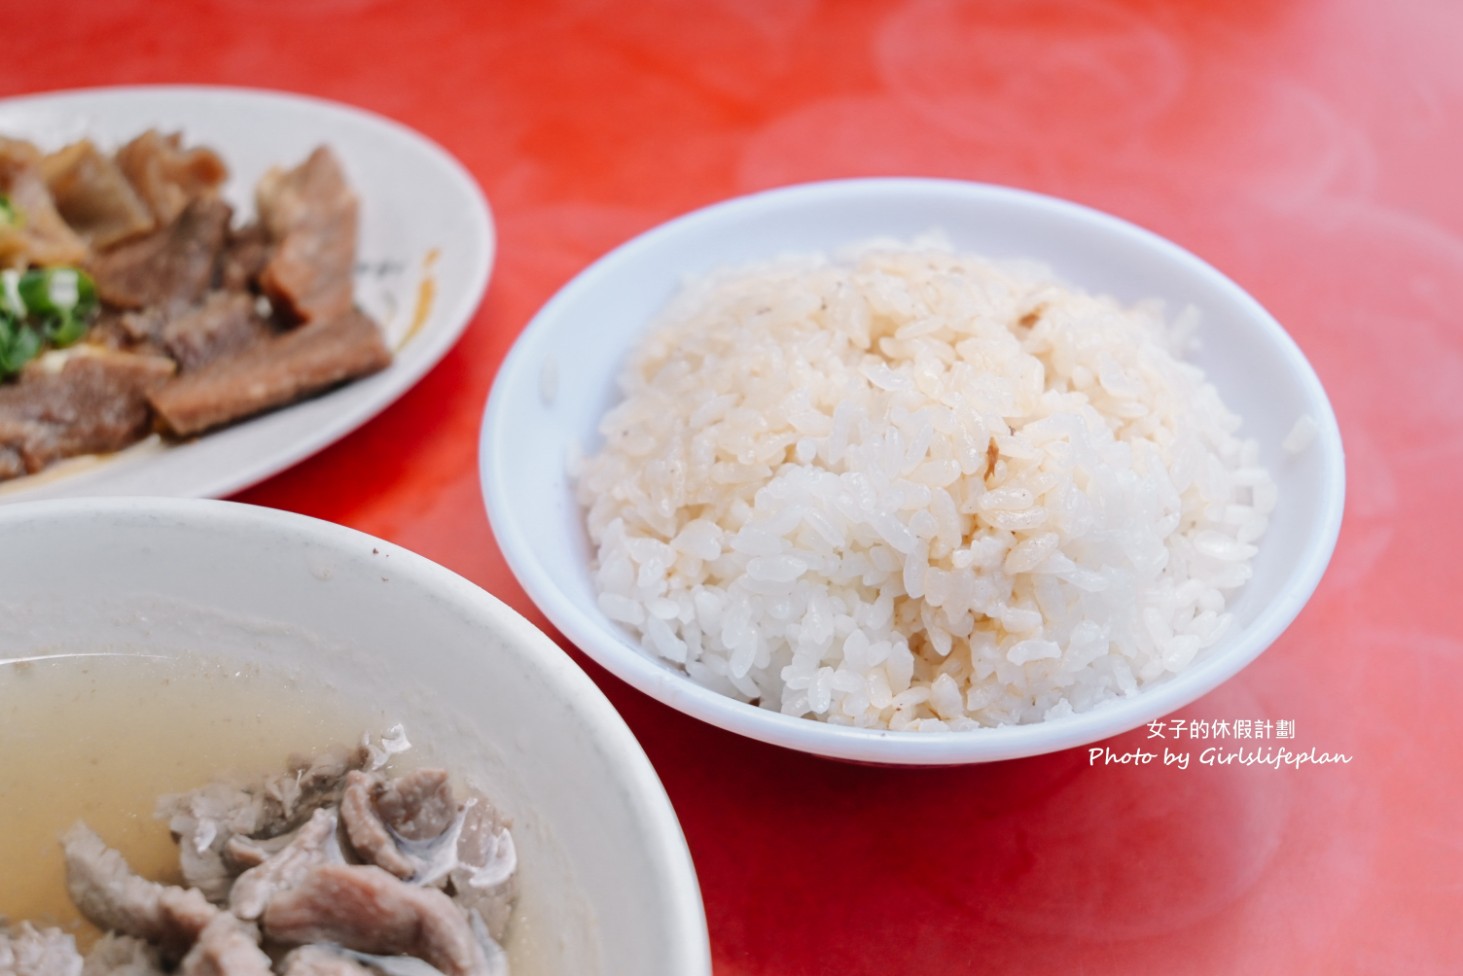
1310	149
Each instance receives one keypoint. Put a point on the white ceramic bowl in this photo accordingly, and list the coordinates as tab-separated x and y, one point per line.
607	880
578	343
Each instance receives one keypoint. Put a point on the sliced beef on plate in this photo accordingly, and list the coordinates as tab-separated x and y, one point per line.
363	908
135	330
40	237
12	462
281	370
28	951
172	267
226	947
168	177
246	252
93	195
122	955
96	401
107	892
223	324
311	216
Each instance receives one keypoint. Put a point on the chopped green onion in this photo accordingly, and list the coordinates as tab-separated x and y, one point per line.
40	307
64	330
56	291
9	216
10	303
18	345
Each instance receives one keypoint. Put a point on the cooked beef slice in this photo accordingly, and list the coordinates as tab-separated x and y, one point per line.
485	879
225	323
122	955
12	464
219	828
171	267
308	782
108	894
246	252
128	331
243	853
407	825
96	401
361	907
93	196
312	844
318	961
417	806
168	177
369	838
226	947
40	237
311	216
28	951
203	822
286	368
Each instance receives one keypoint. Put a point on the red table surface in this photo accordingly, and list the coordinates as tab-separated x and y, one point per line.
1310	149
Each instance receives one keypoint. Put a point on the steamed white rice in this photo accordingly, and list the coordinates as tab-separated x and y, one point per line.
907	488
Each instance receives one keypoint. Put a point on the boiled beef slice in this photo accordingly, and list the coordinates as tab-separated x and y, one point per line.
407	825
122	955
223	324
224	828
226	947
107	892
317	961
171	267
93	196
369	838
28	951
311	217
363	908
168	177
312	844
40	236
417	806
96	402
246	252
269	374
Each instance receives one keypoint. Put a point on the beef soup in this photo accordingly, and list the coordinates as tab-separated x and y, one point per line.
345	859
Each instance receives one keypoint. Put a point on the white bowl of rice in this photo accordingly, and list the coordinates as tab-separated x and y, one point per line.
912	471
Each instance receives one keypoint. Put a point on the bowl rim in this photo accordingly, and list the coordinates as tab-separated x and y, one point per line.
596	638
685	930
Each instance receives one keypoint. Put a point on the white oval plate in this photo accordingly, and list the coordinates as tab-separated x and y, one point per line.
559	379
426	249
